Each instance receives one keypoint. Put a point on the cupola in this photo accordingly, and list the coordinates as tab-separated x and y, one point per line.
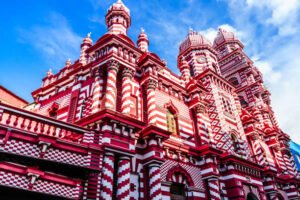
118	18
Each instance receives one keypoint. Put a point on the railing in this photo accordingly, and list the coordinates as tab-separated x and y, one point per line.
34	123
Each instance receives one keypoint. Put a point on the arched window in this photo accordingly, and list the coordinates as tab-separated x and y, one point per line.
251	196
234	81
53	113
235	142
192	70
171	122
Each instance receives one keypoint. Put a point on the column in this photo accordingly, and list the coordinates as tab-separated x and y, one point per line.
111	89
214	189
107	176
97	94
126	90
203	126
155	182
151	104
123	184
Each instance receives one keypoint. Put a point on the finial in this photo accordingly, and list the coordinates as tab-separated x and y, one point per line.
119	1
49	73
142	30
190	30
68	62
89	34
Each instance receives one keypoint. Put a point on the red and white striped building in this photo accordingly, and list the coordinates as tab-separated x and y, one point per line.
119	124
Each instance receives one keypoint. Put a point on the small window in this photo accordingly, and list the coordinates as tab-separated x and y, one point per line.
234	81
235	143
53	113
227	106
192	70
171	122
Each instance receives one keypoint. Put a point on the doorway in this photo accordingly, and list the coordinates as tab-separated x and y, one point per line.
178	191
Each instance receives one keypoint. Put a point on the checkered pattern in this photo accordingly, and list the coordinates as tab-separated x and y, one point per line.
87	106
20	147
13	180
56	189
65	157
194	172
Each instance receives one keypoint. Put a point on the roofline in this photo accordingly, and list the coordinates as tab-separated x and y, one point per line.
13	94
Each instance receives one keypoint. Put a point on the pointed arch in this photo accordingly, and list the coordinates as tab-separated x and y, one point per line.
172	118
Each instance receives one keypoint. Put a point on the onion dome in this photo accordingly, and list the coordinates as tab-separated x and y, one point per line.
118	18
223	37
119	6
193	39
143	41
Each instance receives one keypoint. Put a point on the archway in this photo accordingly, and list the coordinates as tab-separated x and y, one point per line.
180	181
251	196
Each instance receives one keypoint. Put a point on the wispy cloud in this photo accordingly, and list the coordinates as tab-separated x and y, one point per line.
55	40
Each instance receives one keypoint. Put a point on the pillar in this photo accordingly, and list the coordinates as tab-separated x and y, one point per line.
107	177
123	183
214	189
151	106
126	90
97	94
111	89
201	121
155	182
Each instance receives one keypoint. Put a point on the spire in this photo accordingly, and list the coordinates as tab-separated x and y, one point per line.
49	73
118	18
68	63
87	43
143	41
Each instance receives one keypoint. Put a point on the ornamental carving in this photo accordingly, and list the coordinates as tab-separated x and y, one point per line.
151	84
200	109
113	65
127	73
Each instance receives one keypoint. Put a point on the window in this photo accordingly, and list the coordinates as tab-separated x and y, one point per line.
243	101
227	106
235	142
191	70
171	122
53	113
234	81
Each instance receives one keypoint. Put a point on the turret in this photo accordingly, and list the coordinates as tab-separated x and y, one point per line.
143	41
198	53
118	18
87	43
226	42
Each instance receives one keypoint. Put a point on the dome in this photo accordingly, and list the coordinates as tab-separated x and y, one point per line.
119	6
224	36
193	39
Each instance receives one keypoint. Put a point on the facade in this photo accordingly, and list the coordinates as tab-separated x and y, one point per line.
118	124
295	150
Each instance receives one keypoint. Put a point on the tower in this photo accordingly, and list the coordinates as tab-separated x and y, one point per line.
143	41
198	52
118	18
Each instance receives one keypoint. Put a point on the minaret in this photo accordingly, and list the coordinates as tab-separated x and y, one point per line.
118	18
198	53
143	41
87	43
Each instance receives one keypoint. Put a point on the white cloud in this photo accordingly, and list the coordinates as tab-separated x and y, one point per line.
55	40
211	33
284	14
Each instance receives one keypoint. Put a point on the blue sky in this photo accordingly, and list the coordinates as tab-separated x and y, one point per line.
38	35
